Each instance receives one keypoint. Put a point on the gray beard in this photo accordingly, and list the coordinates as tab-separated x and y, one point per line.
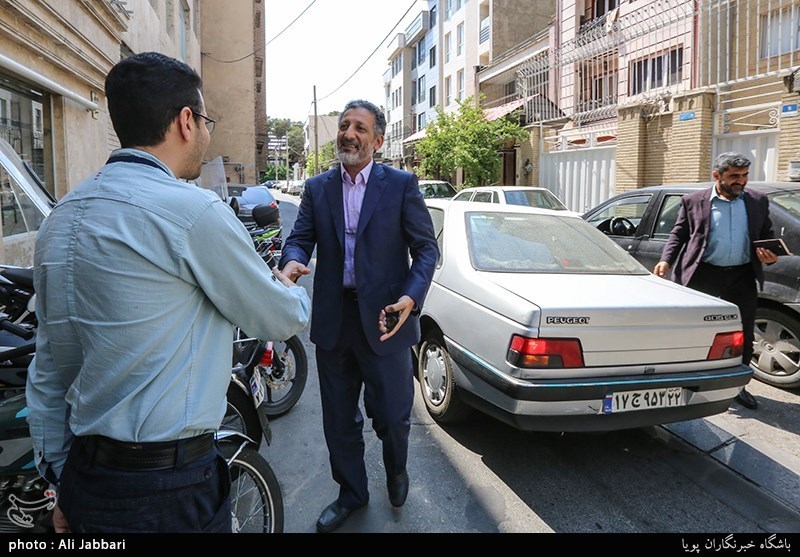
349	159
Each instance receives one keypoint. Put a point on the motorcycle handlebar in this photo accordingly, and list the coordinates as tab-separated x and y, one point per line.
15	329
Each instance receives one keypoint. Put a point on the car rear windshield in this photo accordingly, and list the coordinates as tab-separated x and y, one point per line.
536	243
436	190
535	198
251	195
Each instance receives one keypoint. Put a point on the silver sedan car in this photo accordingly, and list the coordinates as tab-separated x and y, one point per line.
540	320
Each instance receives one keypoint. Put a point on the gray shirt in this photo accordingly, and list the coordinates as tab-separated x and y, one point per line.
139	279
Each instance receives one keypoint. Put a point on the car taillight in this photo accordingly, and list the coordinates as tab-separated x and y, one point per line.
545	352
266	358
726	345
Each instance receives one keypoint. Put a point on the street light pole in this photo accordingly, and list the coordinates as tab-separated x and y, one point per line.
316	139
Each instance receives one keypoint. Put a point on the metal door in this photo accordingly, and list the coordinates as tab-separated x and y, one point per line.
581	178
760	147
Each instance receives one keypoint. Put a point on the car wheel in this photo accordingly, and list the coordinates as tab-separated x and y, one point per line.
776	351
437	382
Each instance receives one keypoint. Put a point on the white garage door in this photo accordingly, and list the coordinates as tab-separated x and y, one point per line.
582	178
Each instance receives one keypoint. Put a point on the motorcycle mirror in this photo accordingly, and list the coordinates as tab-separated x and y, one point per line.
264	215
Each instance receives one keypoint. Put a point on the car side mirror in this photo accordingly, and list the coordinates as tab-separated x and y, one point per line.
234	204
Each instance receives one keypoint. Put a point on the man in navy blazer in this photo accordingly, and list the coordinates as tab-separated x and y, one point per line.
376	254
711	245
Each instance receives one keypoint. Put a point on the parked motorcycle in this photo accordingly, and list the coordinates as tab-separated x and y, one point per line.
26	500
268	377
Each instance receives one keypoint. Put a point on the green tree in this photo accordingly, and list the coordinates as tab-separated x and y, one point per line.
283	127
465	139
297	141
327	157
274	172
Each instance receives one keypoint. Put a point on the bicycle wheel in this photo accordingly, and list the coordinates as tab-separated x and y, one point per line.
287	377
256	499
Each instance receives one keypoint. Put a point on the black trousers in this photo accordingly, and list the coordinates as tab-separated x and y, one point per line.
188	497
388	385
736	285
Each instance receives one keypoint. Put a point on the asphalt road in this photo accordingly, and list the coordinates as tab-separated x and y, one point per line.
734	473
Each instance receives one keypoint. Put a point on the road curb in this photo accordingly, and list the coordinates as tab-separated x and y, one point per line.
754	458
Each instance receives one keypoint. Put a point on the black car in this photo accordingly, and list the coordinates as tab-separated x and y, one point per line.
640	221
247	197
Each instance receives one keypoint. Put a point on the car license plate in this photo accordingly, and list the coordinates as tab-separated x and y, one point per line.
257	387
628	401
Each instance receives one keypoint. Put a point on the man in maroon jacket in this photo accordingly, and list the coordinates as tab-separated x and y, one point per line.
711	245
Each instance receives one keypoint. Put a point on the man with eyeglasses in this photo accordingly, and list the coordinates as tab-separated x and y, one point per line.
139	277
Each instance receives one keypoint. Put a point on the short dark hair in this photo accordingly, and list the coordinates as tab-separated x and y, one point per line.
380	119
146	92
730	160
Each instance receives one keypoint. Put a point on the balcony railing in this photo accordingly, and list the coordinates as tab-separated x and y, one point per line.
485	31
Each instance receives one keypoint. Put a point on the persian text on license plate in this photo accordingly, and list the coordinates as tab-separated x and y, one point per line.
257	387
627	401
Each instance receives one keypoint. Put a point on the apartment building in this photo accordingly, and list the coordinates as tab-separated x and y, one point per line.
318	131
233	39
648	92
55	54
435	60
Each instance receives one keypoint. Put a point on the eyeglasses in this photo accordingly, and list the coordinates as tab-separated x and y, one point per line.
209	122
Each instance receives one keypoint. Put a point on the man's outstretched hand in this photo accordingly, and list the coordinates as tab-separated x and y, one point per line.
293	270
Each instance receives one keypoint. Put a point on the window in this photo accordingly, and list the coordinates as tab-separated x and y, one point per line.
421	89
20	214
25	125
602	7
630	208
780	32
448	91
421	51
447	47
432	56
397	64
459	39
413	57
421	121
667	217
448	9
657	71
413	91
460	82
432	17
432	97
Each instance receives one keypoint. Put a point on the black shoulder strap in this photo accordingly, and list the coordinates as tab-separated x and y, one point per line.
137	160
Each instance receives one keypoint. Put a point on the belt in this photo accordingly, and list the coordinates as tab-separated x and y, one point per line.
350	294
728	268
145	456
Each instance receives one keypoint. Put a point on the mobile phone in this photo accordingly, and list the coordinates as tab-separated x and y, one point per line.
391	321
775	245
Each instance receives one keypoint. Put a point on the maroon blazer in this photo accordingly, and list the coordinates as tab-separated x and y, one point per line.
687	241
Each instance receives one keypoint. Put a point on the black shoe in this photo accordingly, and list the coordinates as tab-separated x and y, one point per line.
398	488
747	400
332	517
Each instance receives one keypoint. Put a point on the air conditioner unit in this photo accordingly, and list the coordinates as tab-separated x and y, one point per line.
794	171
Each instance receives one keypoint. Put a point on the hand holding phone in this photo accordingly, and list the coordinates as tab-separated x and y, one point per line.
392	317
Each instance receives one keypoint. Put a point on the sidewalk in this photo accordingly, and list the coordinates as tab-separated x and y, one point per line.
763	445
